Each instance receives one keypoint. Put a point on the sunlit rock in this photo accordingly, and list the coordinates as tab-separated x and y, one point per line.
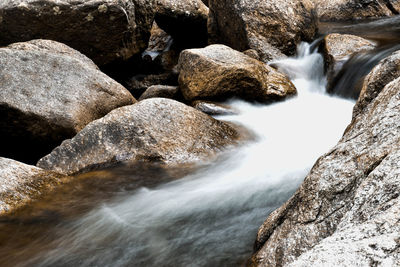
49	92
219	72
155	129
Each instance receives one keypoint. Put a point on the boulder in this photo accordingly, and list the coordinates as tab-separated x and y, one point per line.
386	71
155	129
49	92
338	48
252	24
213	108
346	212
138	84
164	91
218	72
184	20
21	183
103	30
347	10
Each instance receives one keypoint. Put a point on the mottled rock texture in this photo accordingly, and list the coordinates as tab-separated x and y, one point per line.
218	72
155	129
259	25
338	48
346	10
21	183
103	30
346	212
164	91
48	93
184	20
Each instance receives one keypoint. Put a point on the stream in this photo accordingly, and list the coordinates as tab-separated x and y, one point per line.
196	215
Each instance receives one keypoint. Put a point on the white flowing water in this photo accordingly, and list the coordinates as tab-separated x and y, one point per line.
211	217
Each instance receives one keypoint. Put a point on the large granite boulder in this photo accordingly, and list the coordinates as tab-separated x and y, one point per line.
347	210
49	92
386	71
103	30
347	10
184	20
155	129
252	24
21	183
218	72
338	48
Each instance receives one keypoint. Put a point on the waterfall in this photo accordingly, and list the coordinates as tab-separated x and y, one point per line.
211	217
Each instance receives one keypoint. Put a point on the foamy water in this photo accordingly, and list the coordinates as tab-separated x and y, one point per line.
210	218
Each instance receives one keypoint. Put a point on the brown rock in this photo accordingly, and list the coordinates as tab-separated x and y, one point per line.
21	183
251	24
103	30
346	212
346	10
49	93
155	129
218	72
338	48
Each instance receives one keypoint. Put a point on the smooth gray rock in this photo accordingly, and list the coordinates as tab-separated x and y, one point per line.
21	183
347	209
49	92
218	72
155	129
103	30
213	108
250	24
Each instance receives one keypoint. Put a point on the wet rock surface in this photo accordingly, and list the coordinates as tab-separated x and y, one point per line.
213	108
155	129
338	48
218	72
103	30
346	210
21	183
251	24
49	93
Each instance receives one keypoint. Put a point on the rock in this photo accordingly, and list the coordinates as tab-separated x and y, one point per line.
184	20
218	72
338	48
138	84
214	109
103	30
386	71
21	183
347	10
155	129
159	42
164	91
346	212
49	93
252	24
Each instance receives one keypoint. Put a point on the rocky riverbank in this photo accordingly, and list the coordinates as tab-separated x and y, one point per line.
92	84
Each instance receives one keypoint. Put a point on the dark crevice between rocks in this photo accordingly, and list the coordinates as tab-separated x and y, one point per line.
27	137
391	7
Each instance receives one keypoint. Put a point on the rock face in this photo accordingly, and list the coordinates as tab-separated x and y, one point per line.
218	72
386	71
337	49
251	24
345	10
155	129
184	20
164	91
48	93
20	183
347	210
104	30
